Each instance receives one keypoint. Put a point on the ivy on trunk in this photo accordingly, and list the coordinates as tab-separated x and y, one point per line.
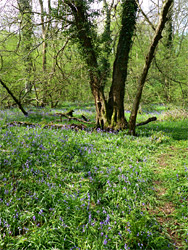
109	112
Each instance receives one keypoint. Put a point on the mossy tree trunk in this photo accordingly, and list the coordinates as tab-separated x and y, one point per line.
109	112
25	10
117	91
168	43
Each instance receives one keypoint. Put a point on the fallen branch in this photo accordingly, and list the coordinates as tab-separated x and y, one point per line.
151	119
51	125
85	119
72	118
69	113
24	124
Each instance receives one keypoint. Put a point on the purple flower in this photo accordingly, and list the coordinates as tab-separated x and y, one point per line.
107	219
126	247
89	218
41	211
105	242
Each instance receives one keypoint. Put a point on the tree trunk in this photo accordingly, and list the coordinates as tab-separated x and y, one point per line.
168	43
106	42
85	35
44	33
45	30
149	58
101	110
117	91
102	120
25	10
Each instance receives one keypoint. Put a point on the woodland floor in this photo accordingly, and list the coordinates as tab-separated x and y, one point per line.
88	189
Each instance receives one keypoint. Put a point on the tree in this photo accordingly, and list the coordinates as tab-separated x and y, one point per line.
45	30
25	11
109	112
149	58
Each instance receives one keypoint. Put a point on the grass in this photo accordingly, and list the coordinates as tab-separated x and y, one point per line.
67	189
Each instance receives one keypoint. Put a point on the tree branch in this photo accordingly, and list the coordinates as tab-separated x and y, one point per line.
148	60
145	16
14	98
151	119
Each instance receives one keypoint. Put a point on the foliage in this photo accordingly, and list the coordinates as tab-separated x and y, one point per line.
66	189
62	84
167	80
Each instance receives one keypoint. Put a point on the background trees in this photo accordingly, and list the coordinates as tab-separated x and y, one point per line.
41	63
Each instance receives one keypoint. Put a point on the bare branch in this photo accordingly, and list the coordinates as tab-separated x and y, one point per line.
145	16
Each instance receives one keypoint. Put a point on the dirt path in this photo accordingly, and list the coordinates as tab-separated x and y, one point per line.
166	209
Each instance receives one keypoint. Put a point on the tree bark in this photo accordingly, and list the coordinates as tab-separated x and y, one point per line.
102	119
148	60
168	44
117	91
106	42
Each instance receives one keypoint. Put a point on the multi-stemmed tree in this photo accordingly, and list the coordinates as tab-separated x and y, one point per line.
110	111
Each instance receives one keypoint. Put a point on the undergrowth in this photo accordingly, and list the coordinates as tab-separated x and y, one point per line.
66	189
